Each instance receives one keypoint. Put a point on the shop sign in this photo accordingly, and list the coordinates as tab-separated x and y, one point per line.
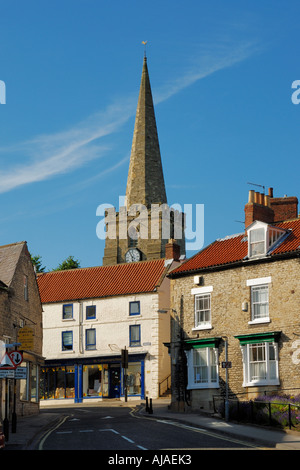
25	337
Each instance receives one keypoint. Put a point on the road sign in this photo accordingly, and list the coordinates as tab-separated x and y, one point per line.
16	357
226	365
7	374
7	363
20	373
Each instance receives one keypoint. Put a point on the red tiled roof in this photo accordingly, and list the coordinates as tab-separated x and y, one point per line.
235	248
100	281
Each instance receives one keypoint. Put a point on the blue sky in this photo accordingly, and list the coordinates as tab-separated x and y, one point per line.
221	76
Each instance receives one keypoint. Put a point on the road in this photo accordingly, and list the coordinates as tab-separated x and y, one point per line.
122	429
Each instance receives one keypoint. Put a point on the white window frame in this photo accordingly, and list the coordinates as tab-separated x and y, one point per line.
201	292
270	237
255	284
210	364
270	364
261	242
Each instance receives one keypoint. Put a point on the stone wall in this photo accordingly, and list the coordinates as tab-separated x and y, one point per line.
230	294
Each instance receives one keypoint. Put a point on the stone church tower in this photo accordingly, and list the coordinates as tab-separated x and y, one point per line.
145	226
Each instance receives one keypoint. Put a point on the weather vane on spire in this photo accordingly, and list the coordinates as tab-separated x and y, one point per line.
144	42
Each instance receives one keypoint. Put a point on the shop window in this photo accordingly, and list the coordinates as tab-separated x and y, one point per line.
93	380
134	378
24	384
34	395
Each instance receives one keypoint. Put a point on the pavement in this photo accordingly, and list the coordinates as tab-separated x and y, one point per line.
31	428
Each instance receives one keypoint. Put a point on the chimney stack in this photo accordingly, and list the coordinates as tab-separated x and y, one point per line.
172	250
258	207
285	208
266	208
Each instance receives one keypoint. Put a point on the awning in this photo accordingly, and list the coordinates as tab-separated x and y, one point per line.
269	337
202	343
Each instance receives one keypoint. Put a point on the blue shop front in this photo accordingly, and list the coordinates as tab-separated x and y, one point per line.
92	378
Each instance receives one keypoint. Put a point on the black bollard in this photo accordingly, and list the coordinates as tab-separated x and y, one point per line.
150	408
147	407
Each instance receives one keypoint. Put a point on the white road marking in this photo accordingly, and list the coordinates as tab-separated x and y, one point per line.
129	440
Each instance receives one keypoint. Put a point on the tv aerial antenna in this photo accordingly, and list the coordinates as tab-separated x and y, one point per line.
259	185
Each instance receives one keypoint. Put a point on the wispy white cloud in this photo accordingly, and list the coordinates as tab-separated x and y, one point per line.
47	156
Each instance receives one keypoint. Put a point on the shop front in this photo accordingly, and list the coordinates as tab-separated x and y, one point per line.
92	378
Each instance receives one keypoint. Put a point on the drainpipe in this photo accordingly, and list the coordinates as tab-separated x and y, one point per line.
226	372
80	328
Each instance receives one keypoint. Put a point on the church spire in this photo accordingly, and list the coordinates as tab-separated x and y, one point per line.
145	183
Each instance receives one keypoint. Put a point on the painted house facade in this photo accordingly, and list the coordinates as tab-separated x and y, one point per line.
236	310
90	315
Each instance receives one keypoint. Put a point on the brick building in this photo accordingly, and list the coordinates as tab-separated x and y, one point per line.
20	321
238	301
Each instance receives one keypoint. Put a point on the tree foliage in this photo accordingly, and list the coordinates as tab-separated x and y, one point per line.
69	263
37	263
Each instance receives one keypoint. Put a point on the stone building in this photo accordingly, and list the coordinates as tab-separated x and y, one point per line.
237	303
141	229
20	322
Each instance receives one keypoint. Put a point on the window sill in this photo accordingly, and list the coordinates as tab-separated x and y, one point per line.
260	320
203	327
262	383
202	386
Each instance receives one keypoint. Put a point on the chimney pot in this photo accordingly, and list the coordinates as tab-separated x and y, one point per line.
251	195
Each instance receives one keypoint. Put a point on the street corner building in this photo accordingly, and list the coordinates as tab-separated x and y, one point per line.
90	315
21	328
236	310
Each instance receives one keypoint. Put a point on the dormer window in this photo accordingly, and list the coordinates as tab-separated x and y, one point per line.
261	238
257	242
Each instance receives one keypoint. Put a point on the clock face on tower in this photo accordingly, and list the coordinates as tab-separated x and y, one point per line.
133	254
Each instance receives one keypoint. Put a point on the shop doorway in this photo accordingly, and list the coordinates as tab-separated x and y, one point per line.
114	381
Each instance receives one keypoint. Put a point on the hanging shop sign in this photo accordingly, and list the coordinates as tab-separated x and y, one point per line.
25	337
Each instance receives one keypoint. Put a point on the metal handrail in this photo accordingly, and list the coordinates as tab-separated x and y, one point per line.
160	384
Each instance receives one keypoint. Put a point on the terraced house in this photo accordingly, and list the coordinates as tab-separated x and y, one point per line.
90	315
236	310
